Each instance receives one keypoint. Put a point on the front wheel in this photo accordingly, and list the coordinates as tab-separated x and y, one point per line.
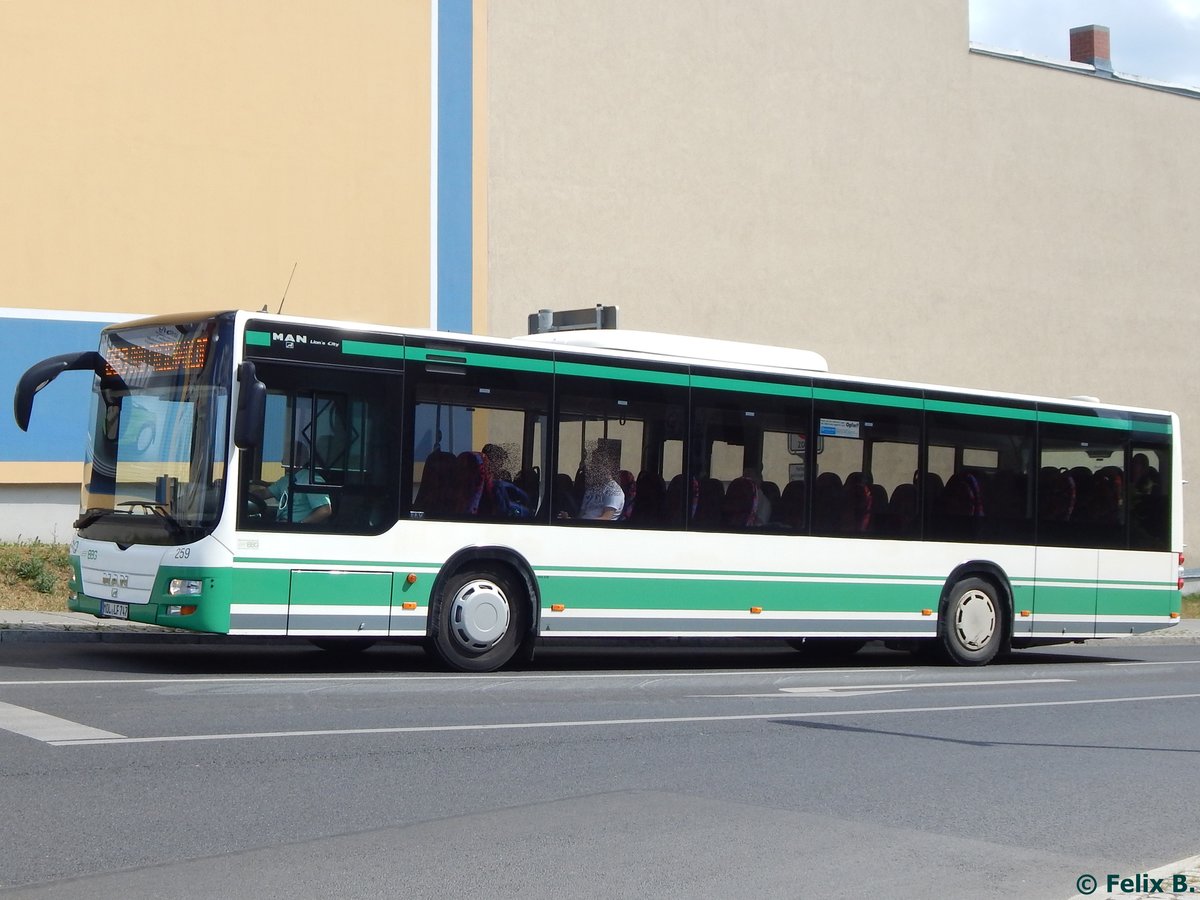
971	628
478	620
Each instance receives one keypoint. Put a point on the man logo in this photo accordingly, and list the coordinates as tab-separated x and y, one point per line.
115	580
289	340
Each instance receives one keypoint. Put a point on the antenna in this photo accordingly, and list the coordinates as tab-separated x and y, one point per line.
289	284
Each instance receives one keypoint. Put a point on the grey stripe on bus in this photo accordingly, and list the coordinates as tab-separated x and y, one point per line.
338	623
259	622
310	623
774	627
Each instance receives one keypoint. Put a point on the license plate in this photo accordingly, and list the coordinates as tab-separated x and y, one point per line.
111	610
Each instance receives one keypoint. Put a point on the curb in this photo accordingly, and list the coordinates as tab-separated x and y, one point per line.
25	634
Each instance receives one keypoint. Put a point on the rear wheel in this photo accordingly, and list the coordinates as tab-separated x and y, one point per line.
971	627
479	620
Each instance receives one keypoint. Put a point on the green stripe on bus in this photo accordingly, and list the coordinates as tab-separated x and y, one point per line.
751	387
1104	422
1140	603
258	338
481	360
978	409
373	348
585	370
733	573
840	396
717	596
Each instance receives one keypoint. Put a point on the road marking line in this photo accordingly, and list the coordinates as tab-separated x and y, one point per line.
44	727
854	690
508	676
1178	662
667	720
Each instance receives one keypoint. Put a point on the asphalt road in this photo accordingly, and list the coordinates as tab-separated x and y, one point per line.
210	770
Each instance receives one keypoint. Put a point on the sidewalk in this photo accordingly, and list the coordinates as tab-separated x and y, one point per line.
29	625
22	625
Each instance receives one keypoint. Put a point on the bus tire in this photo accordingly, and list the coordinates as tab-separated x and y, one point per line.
479	619
972	622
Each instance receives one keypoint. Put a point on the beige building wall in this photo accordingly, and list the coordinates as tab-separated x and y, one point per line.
168	155
849	178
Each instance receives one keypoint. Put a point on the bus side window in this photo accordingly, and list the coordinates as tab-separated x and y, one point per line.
977	484
348	433
624	435
478	443
1082	501
865	453
1148	489
745	445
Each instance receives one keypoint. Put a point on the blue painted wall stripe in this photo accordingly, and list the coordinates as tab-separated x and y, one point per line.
58	426
454	209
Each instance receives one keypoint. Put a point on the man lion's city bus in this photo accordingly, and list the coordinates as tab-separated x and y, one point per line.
252	474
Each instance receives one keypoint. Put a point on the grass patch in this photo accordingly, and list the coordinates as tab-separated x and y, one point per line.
1191	606
34	576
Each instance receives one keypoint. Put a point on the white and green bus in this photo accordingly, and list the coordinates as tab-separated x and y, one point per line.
252	474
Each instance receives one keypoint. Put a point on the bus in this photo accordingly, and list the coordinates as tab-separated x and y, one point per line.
256	474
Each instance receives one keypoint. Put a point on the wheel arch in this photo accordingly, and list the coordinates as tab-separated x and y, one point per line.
505	557
988	571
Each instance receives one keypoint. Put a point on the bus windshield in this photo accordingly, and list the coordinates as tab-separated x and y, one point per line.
156	452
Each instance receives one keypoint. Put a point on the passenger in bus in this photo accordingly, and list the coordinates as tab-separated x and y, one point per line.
761	514
603	498
297	507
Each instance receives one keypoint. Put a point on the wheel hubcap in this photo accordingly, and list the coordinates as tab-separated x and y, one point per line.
479	614
975	620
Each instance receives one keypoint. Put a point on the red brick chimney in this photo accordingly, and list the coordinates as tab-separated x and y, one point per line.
1089	44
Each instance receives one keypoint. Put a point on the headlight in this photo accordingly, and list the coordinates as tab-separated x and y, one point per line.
185	587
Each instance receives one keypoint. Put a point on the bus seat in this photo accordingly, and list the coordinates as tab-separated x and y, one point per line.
903	506
790	509
708	503
651	496
435	493
680	508
827	503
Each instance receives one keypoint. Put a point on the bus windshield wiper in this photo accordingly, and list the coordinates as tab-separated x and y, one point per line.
157	509
90	515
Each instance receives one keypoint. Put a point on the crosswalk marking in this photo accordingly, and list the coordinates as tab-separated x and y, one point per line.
44	727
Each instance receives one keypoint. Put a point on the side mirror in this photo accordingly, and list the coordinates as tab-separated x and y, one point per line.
251	414
41	374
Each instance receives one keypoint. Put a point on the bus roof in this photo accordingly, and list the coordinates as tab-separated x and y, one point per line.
687	348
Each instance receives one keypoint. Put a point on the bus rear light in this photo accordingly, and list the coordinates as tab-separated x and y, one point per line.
409	604
557	607
180	610
927	612
1180	585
